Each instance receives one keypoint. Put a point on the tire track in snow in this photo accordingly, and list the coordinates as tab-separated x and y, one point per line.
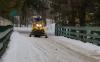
59	52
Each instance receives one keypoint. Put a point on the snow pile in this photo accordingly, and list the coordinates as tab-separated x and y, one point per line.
50	29
82	47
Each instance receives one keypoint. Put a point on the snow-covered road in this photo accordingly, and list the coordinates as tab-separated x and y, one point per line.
56	52
30	49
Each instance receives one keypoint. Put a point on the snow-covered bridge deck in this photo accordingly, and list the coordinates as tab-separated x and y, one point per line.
53	49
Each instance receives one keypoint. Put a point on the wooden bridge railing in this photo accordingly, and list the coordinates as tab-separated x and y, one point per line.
5	33
85	34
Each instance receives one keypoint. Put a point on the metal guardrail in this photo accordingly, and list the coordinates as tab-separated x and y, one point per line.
5	33
85	34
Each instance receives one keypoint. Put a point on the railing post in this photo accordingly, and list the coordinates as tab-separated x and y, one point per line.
66	31
69	32
56	33
77	31
88	33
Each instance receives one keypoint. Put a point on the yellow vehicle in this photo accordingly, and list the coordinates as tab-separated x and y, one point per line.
38	29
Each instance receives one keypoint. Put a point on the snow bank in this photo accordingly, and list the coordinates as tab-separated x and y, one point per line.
50	29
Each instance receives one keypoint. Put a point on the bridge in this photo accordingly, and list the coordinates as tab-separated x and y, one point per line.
64	44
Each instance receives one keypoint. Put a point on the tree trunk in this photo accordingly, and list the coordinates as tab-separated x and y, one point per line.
43	14
82	13
82	17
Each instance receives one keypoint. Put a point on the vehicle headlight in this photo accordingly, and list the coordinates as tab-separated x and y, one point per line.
38	25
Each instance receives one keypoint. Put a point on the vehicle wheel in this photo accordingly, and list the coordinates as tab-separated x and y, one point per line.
35	35
38	36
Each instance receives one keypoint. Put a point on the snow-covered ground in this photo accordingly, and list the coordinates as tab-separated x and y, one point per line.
26	49
53	49
76	45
